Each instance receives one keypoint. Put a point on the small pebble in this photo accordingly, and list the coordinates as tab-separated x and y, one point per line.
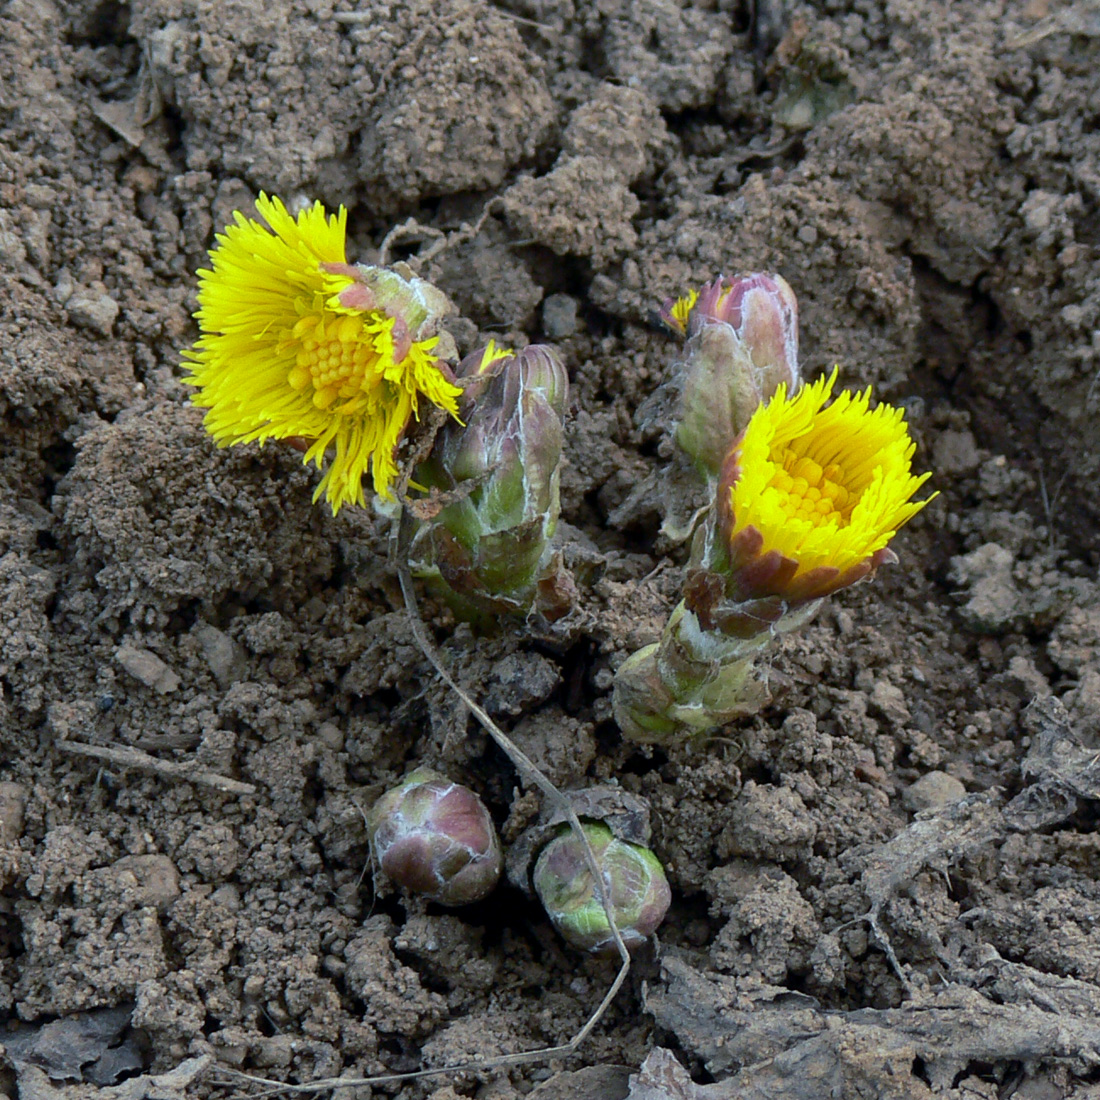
559	316
521	681
889	700
331	736
932	790
64	288
955	452
148	668
157	882
227	896
225	657
93	311
253	987
13	802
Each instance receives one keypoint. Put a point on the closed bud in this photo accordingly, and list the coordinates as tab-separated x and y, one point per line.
436	838
633	879
416	306
492	542
742	344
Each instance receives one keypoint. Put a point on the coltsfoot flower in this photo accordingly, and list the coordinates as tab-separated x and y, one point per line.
436	838
808	499
637	889
297	343
742	345
810	495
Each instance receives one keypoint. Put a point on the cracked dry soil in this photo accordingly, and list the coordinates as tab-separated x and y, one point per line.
885	884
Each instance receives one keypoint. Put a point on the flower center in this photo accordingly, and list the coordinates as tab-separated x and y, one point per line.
333	358
809	490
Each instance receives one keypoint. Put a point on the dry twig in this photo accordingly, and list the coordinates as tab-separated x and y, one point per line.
413	230
127	757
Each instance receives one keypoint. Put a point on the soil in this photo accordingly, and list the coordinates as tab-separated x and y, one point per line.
885	884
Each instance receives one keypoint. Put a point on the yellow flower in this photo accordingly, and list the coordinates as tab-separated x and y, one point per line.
810	496
682	307
675	312
296	343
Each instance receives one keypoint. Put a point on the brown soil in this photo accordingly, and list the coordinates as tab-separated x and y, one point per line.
887	883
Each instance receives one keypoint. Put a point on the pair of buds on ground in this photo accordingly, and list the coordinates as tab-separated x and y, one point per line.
435	838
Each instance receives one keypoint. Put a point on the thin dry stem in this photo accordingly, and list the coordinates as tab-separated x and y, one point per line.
127	757
408	230
413	230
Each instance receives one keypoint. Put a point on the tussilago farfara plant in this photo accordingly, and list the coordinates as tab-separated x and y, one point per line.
299	344
807	496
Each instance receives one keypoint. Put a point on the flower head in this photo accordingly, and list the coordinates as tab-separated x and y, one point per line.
810	496
297	343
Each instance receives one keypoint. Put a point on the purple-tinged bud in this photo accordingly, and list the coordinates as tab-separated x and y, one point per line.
436	838
634	880
742	343
416	306
492	544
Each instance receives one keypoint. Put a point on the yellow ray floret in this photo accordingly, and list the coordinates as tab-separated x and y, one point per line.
492	353
680	310
825	487
279	357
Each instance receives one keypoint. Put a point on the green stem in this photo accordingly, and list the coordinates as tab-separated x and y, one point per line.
693	680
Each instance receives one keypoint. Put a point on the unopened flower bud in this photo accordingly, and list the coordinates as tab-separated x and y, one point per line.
416	306
742	343
492	543
436	838
633	879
